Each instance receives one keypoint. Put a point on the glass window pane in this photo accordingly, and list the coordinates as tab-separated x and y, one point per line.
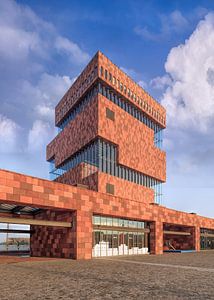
96	220
115	222
109	221
121	222
126	223
103	221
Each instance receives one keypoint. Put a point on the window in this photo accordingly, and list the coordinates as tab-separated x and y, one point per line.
101	71
106	74
110	188
118	83
101	155
110	77
103	220
121	87
96	220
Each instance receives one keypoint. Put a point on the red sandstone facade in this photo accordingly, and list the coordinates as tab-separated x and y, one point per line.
68	202
134	140
107	162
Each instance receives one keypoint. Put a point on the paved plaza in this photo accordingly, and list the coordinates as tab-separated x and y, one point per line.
169	276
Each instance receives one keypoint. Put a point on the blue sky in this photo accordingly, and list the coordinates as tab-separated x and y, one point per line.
166	46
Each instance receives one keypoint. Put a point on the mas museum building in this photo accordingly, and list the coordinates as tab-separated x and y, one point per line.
107	171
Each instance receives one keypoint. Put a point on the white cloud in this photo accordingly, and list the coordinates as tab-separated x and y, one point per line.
188	96
28	43
175	22
22	41
46	93
21	29
160	83
189	99
9	131
32	84
39	136
64	45
45	111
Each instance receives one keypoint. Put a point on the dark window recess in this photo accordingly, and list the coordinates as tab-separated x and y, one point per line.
110	188
109	114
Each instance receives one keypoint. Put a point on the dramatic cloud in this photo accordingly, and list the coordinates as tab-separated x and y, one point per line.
189	99
160	83
48	90
188	95
23	30
32	83
71	49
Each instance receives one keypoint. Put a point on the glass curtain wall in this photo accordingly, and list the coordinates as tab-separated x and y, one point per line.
207	239
119	101
134	112
102	155
113	236
16	243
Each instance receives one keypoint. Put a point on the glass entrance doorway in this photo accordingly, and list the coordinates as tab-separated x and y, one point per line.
113	236
207	239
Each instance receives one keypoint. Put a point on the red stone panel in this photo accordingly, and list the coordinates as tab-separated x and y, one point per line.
135	141
125	189
83	173
78	88
27	190
53	241
92	72
76	134
139	96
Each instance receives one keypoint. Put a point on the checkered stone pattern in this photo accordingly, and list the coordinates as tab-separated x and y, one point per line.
78	133
135	141
152	109
88	76
96	181
125	189
83	174
26	190
53	241
92	72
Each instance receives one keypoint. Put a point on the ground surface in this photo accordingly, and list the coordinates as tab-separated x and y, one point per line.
169	276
